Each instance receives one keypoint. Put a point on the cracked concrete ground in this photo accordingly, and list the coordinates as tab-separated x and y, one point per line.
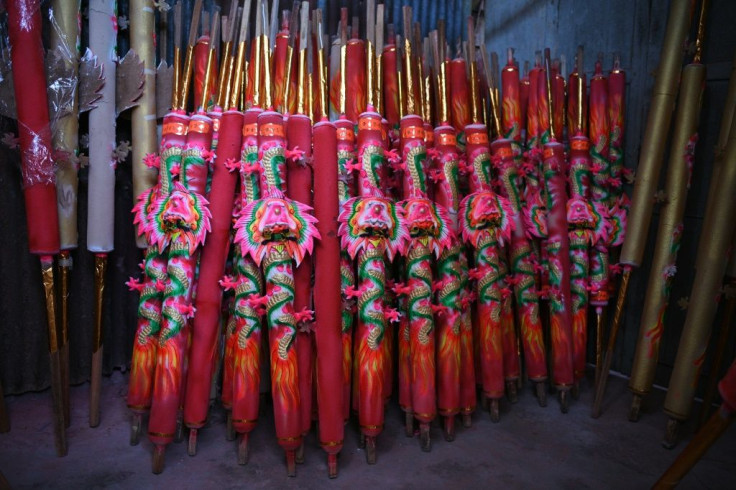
531	447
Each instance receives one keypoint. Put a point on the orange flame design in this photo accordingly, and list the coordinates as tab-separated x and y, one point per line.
580	340
246	382
141	371
169	367
284	380
561	356
511	367
347	347
491	349
534	354
404	366
227	371
371	375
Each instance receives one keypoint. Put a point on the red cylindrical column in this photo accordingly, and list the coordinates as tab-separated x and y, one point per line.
211	267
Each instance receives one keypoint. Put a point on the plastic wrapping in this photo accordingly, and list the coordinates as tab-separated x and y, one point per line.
38	163
62	91
24	20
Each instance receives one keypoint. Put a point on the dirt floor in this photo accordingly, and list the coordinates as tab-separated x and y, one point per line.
532	447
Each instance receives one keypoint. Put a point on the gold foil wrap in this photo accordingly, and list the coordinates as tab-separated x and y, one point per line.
715	240
301	95
65	38
378	96
176	81
474	104
287	77
144	139
370	73
408	78
47	273
444	115
238	78
100	272
322	83
267	100
657	128
343	77
186	80
670	218
223	82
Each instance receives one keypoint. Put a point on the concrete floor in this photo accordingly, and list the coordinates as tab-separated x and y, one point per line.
531	447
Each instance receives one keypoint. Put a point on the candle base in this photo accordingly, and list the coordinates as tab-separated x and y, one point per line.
671	434
540	388
136	423
192	445
243	449
449	428
635	408
370	450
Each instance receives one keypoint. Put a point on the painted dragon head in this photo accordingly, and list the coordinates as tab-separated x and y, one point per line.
483	212
372	220
182	215
587	219
276	221
428	222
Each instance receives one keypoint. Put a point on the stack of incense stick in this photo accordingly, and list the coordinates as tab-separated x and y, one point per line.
455	203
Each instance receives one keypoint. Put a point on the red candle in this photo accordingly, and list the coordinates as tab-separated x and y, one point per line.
510	86
299	183
390	86
212	266
459	102
328	307
39	182
355	97
558	248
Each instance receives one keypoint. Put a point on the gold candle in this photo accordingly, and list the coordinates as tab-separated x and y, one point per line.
670	231
144	139
65	38
716	238
657	128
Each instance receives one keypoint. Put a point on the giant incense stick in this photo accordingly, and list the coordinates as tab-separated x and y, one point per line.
143	362
650	161
558	250
101	219
205	325
143	116
328	310
299	185
710	267
429	231
181	224
39	187
522	256
65	40
447	194
671	227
